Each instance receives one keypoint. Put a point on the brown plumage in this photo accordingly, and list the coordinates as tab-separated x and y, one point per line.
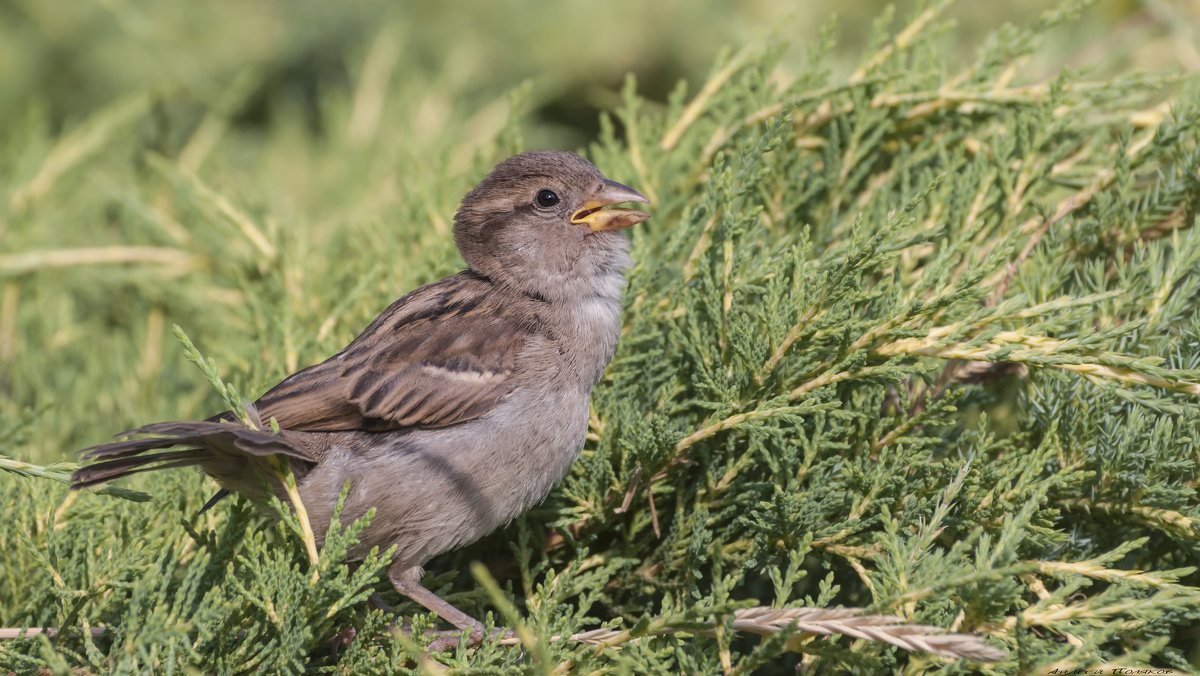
442	355
464	402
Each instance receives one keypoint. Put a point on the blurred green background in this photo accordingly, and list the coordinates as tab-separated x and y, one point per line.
66	59
270	174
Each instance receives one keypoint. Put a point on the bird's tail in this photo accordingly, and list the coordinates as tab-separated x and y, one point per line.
194	443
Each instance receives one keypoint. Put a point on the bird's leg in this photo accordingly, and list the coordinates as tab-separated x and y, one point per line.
342	639
407	581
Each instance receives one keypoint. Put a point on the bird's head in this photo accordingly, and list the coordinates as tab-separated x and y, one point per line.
538	222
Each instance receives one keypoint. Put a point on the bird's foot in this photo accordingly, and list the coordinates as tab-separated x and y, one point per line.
407	580
444	640
341	640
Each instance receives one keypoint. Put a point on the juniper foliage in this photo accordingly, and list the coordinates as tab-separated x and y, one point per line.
923	339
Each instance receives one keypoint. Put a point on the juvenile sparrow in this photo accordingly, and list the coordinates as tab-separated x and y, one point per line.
463	403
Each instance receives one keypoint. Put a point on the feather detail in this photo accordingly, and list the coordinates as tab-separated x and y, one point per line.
441	355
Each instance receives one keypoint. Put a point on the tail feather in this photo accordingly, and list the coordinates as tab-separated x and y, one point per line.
130	447
113	469
202	441
221	494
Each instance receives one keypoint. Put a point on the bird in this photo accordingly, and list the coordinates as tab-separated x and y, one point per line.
461	405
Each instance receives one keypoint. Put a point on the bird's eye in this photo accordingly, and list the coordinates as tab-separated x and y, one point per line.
546	198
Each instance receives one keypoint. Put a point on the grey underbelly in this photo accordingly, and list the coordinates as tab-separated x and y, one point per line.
435	490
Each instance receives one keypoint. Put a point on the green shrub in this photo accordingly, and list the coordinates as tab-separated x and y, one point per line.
923	339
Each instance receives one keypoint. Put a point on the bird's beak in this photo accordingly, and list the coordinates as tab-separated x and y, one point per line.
597	218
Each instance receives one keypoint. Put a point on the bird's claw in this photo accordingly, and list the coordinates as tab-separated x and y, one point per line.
341	640
445	640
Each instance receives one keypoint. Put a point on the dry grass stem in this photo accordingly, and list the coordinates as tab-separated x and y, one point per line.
851	622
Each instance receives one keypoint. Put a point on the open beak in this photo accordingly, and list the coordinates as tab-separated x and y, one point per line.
596	217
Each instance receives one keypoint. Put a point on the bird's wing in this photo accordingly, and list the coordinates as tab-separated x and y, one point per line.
441	355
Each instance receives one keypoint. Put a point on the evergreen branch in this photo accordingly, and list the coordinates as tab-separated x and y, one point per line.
899	431
282	469
724	134
1037	227
522	634
697	105
699	248
61	472
930	101
248	415
631	117
729	423
860	570
1165	519
216	122
832	378
1044	596
218	203
902	40
964	580
208	368
1091	609
1176	220
1043	351
175	261
794	334
77	146
283	473
1158	580
927	102
12	633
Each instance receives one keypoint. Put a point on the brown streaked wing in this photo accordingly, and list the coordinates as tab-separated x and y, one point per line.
439	356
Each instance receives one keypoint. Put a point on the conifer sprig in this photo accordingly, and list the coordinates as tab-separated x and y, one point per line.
920	340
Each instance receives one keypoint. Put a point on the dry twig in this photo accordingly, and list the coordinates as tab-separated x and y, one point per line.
807	622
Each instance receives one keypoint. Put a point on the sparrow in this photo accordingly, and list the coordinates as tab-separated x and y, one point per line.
457	408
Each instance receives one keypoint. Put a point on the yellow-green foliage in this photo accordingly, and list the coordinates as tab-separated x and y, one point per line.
921	337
